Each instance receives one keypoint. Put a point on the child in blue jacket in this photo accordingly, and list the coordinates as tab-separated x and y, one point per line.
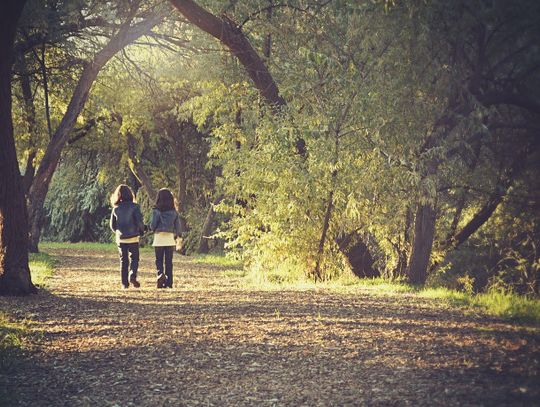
127	224
165	224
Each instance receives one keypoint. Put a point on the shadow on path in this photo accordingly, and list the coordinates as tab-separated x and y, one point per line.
208	342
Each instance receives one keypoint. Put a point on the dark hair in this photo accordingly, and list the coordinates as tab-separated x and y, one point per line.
122	193
164	200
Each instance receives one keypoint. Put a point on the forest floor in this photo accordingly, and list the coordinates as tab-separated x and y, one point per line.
212	341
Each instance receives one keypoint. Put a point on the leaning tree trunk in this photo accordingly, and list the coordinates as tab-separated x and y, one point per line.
49	162
424	231
14	271
358	255
206	230
137	169
231	35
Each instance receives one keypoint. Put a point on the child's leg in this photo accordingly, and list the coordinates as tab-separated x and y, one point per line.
134	260
160	251
124	263
169	250
159	259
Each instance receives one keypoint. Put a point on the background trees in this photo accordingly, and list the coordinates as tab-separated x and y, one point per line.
389	139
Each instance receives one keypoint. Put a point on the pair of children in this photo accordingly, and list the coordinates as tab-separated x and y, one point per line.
127	223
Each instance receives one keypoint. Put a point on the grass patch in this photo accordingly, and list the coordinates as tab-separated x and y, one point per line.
41	267
12	339
505	305
508	306
218	259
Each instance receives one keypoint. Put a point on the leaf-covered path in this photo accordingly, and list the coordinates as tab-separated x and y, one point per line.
210	342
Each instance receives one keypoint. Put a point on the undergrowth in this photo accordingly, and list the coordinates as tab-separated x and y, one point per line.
500	303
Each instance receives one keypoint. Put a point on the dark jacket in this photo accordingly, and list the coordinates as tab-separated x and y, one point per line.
167	221
127	218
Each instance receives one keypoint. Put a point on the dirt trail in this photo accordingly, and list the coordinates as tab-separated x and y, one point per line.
208	342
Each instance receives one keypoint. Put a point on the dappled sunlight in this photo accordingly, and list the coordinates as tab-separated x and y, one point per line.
256	346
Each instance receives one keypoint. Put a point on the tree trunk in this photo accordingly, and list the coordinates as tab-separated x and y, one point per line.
496	197
38	191
481	217
424	231
14	271
206	230
137	169
326	224
180	156
230	35
358	255
30	117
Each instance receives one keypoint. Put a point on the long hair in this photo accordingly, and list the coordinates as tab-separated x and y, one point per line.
122	193
164	200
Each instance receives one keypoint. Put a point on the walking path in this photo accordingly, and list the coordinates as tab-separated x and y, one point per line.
210	342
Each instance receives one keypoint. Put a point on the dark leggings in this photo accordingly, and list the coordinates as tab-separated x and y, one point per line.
129	260
165	253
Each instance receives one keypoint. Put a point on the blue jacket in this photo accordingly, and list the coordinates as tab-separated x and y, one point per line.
167	221
127	218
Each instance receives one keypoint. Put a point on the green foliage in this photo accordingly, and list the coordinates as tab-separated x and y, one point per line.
13	336
11	342
388	98
77	207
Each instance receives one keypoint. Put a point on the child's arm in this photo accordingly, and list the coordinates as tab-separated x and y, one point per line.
112	221
155	220
177	226
139	220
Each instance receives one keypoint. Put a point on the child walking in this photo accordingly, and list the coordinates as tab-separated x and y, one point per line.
165	224
127	224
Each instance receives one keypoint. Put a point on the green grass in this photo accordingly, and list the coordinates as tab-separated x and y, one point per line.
508	306
11	341
41	267
14	335
216	260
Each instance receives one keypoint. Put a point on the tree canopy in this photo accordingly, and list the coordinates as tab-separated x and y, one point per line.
308	137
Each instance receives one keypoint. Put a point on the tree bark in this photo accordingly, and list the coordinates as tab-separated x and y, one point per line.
14	271
230	35
176	134
424	231
206	230
358	255
137	169
49	162
326	224
490	206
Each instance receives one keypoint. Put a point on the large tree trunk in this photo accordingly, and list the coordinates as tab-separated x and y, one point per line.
49	162
424	231
14	271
